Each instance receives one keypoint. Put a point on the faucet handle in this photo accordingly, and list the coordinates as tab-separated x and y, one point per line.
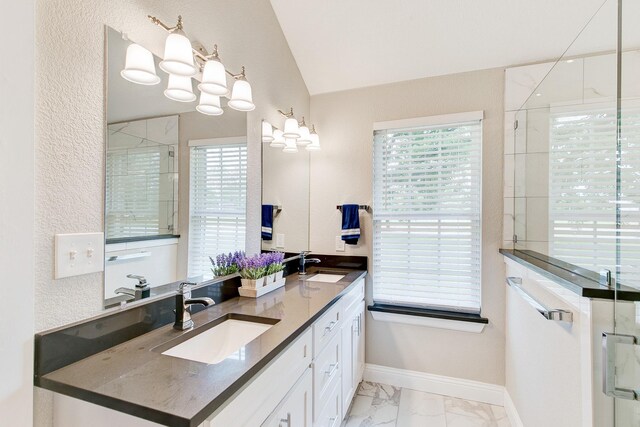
142	281
185	287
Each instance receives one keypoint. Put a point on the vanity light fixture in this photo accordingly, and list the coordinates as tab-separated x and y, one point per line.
290	145
139	66
278	139
180	89
178	53
241	97
214	78
209	104
304	138
315	140
291	129
267	132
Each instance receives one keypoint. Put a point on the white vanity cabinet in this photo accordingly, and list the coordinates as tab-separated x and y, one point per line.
309	384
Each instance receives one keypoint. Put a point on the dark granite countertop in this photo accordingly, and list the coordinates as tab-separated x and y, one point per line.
579	280
132	378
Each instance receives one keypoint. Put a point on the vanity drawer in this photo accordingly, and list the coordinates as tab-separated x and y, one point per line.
331	413
353	298
326	374
253	405
326	327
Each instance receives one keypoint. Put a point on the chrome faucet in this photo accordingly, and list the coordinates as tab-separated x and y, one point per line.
142	289
183	301
302	270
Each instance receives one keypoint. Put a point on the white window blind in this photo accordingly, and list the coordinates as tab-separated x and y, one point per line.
133	191
427	214
218	194
582	190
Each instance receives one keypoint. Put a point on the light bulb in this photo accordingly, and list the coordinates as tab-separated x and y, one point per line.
209	104
290	145
291	129
278	139
180	89
241	98
139	66
178	56
214	79
267	131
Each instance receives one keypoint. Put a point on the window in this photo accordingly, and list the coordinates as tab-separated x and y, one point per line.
217	207
139	188
582	190
427	212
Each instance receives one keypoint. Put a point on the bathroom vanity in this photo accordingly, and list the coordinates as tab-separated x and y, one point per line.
301	370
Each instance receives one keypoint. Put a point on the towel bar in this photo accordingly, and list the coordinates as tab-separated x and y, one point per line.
128	256
558	315
363	207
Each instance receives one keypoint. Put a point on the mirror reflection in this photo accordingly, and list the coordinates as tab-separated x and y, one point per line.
175	181
285	190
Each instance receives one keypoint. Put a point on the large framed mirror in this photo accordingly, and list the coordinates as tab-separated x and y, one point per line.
175	184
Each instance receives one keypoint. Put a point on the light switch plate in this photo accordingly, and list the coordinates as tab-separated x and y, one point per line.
339	244
279	240
78	253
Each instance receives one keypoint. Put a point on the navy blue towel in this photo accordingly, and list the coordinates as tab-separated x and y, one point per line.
267	222
350	224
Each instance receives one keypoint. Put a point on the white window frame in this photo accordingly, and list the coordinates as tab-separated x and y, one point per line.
447	119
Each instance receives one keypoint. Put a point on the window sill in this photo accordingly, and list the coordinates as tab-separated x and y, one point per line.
464	322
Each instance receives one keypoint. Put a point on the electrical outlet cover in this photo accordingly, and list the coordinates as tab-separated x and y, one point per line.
78	253
339	244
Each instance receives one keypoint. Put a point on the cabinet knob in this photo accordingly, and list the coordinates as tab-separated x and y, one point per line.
285	421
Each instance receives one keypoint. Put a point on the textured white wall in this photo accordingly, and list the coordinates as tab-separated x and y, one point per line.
342	173
70	119
17	212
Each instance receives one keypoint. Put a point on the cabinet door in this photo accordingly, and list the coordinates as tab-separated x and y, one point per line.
295	409
349	354
358	370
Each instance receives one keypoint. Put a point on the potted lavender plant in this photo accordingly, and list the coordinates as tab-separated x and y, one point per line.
252	271
226	264
274	266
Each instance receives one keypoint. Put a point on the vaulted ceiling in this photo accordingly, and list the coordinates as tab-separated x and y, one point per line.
346	44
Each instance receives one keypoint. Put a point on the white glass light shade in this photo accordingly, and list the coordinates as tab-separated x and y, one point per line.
315	143
178	56
140	67
291	129
267	131
214	79
180	89
290	146
241	98
278	139
304	136
209	104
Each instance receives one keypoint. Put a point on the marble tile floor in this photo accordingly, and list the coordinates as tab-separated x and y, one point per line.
384	405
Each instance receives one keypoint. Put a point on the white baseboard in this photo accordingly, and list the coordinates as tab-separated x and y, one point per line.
438	384
447	386
512	412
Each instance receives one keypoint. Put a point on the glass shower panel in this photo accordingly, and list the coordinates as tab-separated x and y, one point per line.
565	181
627	312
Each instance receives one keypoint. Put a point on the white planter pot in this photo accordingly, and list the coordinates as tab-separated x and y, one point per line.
252	283
269	279
279	275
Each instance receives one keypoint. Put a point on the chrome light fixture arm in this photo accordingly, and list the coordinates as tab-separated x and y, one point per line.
159	23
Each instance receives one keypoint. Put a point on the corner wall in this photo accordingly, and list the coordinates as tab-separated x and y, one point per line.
342	173
17	212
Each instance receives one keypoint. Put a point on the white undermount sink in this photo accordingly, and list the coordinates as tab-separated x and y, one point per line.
225	340
327	278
